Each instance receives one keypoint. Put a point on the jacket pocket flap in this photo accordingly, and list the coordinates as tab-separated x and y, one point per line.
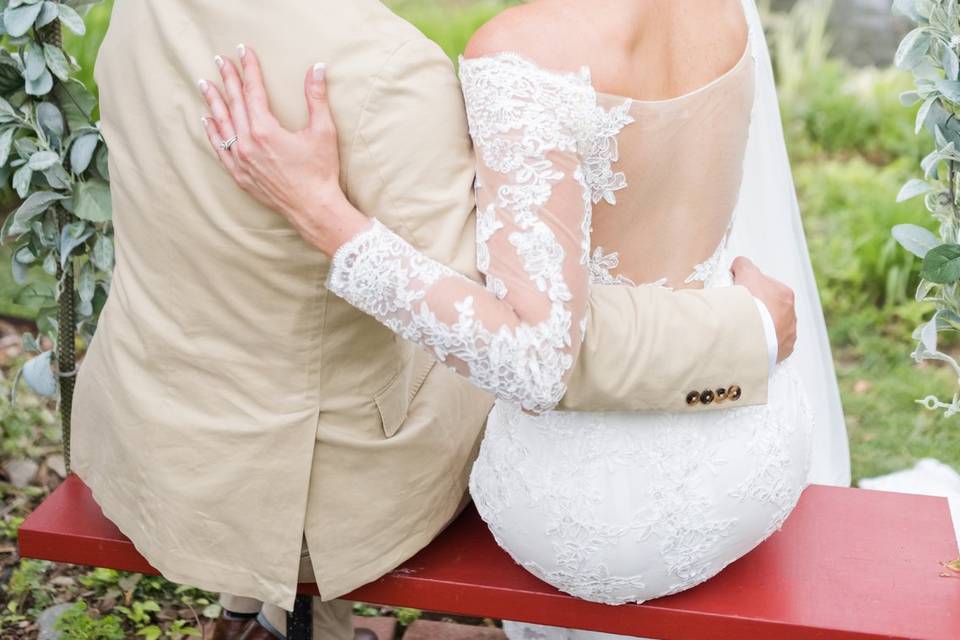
394	400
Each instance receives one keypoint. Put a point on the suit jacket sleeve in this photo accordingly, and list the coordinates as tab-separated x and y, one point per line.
410	164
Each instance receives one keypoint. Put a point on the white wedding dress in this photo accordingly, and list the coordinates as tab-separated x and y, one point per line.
574	187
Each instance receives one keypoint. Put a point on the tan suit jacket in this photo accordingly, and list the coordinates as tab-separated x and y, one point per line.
229	404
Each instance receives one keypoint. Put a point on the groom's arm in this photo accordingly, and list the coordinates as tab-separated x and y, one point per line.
647	349
650	348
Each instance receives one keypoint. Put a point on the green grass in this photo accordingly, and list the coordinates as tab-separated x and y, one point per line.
451	28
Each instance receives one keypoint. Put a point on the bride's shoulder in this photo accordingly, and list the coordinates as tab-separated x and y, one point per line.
529	30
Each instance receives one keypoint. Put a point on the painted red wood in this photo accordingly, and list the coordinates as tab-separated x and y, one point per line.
848	564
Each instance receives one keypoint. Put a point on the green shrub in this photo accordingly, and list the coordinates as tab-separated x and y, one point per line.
848	208
449	27
77	624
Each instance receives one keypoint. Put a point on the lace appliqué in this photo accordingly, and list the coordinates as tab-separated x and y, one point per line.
602	264
603	151
708	268
521	118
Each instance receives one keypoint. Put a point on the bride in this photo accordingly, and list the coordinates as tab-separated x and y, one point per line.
617	142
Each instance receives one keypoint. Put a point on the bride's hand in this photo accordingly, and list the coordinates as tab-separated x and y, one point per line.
296	173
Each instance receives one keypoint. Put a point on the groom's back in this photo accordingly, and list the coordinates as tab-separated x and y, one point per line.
220	357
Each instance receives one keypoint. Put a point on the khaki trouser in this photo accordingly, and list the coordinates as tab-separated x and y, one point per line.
332	620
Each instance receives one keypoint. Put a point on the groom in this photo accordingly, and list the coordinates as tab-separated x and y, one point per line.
231	413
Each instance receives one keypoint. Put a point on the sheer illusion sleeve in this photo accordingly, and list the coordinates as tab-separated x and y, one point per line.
518	336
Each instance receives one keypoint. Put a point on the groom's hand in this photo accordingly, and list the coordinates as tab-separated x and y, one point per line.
776	296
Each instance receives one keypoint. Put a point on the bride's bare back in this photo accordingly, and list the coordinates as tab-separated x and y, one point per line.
681	73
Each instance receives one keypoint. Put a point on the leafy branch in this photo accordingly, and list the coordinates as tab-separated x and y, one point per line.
53	157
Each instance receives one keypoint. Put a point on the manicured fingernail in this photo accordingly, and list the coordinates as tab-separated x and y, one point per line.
219	61
319	71
241	51
203	84
204	122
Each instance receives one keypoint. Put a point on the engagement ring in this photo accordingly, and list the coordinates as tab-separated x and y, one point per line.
226	144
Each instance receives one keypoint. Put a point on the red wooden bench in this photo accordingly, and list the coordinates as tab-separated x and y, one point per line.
849	563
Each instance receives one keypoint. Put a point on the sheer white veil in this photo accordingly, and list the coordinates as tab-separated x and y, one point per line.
768	230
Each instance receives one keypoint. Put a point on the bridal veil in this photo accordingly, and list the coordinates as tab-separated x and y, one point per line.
768	229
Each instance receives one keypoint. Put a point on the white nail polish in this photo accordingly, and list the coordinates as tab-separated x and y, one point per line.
219	61
241	50
319	71
203	84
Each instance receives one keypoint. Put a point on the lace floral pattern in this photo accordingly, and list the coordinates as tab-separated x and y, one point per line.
601	266
531	129
603	151
627	507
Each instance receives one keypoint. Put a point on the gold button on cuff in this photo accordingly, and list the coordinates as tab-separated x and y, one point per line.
734	392
707	396
693	398
721	394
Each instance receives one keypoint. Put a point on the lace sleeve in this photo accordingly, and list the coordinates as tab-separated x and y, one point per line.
517	337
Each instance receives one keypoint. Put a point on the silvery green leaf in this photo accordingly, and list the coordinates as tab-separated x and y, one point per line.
50	119
915	239
928	335
50	264
924	289
57	177
913	188
41	86
950	90
56	61
909	98
927	71
86	283
26	147
906	8
912	49
19	271
33	61
72	236
21	180
6	144
32	207
102	162
91	201
7	109
924	111
947	319
24	255
941	264
77	103
42	160
48	13
951	64
102	253
17	20
29	343
81	153
39	376
939	137
72	20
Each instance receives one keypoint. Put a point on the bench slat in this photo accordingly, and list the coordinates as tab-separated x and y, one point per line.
848	564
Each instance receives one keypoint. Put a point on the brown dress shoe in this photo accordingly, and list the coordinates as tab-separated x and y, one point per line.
229	628
255	631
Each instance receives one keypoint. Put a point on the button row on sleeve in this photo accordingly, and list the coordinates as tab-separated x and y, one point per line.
709	396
